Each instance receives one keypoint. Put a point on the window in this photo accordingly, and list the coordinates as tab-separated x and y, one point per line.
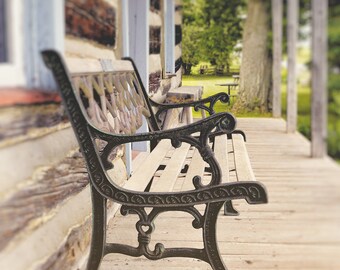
29	28
11	40
3	45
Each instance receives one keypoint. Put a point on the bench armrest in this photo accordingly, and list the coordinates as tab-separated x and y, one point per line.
199	104
223	121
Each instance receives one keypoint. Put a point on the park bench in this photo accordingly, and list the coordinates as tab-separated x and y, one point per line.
219	70
105	101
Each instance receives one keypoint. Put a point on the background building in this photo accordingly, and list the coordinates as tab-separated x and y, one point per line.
44	197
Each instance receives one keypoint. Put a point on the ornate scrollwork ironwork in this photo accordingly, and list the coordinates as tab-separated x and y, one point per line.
145	227
197	105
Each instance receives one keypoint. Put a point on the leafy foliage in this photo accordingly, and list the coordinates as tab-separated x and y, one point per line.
334	79
334	34
191	46
192	32
222	30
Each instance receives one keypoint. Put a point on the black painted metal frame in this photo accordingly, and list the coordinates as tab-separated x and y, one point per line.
206	104
212	195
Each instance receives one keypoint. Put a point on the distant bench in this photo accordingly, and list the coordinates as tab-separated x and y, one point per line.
106	103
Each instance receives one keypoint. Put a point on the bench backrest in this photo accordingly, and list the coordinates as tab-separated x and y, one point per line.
104	96
112	94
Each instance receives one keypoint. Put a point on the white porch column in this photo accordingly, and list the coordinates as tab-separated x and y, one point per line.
169	35
138	13
292	31
277	55
319	78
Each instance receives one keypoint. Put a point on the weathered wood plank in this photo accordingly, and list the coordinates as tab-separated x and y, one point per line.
166	181
18	123
141	177
73	248
95	21
54	186
244	171
139	160
221	154
196	168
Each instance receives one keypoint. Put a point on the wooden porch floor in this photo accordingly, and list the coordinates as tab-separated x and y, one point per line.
298	229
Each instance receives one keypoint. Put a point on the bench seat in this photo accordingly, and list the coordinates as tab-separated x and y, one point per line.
166	165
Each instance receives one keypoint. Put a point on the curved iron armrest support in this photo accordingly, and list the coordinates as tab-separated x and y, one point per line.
252	192
219	132
224	122
199	104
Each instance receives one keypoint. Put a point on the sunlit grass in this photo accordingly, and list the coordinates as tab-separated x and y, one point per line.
304	109
209	82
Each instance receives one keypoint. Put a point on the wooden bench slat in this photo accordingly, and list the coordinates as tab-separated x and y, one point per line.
221	154
141	177
196	167
244	171
139	160
167	179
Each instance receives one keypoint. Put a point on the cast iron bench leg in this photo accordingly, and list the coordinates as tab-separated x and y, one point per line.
98	230
209	236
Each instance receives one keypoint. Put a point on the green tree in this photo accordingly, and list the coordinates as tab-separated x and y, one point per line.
191	49
211	29
334	34
191	31
334	78
222	29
